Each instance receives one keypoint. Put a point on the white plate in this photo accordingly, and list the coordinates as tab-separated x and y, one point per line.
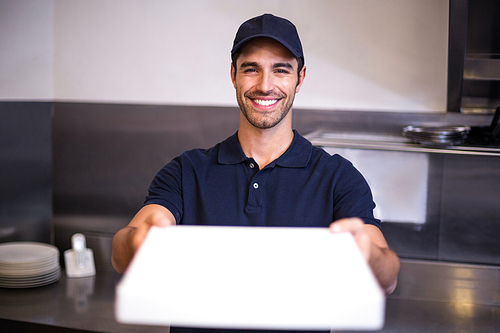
33	282
26	253
27	277
30	267
38	263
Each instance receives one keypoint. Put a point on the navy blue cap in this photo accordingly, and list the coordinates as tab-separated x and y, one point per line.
270	26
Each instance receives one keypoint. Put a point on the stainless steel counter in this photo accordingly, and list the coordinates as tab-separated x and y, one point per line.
430	297
83	304
392	142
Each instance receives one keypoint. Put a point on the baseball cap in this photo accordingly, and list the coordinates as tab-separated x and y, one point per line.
268	25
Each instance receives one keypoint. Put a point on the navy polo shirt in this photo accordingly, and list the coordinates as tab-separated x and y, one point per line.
304	187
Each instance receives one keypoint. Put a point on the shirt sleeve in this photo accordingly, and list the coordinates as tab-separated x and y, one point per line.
353	197
166	189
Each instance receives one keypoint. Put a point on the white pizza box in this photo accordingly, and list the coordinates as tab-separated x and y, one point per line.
250	278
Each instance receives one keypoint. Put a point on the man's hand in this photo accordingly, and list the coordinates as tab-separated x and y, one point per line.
140	230
372	244
127	241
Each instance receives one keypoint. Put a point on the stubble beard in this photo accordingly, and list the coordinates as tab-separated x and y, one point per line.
268	120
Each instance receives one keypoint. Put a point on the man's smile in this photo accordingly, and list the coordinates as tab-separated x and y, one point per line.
265	102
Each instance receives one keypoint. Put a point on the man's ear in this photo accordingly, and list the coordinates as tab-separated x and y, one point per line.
302	76
233	75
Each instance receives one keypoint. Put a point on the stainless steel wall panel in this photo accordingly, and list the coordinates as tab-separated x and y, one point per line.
25	171
105	155
470	210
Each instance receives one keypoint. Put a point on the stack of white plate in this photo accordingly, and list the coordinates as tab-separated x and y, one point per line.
437	135
28	264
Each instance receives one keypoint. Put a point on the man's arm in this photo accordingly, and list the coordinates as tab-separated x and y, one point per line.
127	240
384	262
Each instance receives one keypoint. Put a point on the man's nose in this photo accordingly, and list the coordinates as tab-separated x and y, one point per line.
265	83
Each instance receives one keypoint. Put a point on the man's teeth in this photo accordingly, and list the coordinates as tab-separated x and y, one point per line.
265	102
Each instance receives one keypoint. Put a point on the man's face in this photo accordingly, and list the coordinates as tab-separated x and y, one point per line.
266	82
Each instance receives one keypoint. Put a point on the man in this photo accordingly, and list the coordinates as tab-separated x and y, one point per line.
266	174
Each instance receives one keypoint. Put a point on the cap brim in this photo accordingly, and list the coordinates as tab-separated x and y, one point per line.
294	52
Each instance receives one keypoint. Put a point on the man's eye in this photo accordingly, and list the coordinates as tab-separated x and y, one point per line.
250	70
282	71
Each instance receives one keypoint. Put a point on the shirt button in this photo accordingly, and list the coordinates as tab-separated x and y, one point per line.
251	165
255	185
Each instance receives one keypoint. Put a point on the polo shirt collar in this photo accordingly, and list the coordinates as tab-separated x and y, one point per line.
296	156
230	151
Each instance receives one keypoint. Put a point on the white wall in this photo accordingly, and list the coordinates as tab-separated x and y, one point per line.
26	50
388	55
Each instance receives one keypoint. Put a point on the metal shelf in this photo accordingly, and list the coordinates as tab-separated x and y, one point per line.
482	69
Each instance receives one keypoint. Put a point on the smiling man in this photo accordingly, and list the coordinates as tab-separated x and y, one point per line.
266	174
266	78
